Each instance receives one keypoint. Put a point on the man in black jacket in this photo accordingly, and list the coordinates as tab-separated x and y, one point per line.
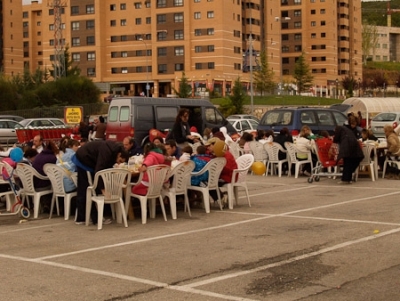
93	157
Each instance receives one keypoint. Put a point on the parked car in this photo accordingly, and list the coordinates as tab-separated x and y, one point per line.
42	122
244	125
318	119
382	119
8	132
242	116
12	117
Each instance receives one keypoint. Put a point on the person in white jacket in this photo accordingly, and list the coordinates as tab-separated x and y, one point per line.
304	145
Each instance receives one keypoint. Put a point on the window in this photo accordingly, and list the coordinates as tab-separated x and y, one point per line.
178	17
297	36
114	54
124	38
74	25
161	19
51	42
197	32
323	23
90	9
297	24
197	15
113	7
90	40
178	34
179	51
285	60
148	4
123	22
237	66
384	46
297	2
236	49
91	56
313	11
37	23
25	24
51	27
197	49
90	24
210	14
161	3
285	49
124	54
138	5
198	66
74	10
179	67
124	70
285	37
297	13
323	34
76	42
25	14
122	6
211	65
322	11
162	68
76	57
210	31
297	48
161	36
139	69
113	23
313	36
178	2
138	21
210	48
313	24
91	72
148	20
162	51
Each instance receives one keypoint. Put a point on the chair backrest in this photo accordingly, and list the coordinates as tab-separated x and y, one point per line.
234	149
257	148
114	179
56	175
214	168
181	176
272	150
157	175
244	163
26	173
291	150
367	149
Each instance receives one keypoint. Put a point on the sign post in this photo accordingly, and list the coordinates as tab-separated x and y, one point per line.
73	115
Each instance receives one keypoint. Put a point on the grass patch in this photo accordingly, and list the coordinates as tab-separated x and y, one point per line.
286	100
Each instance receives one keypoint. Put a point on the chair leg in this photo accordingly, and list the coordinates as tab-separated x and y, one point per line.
100	213
67	206
206	200
236	194
384	169
88	208
163	207
247	194
231	195
36	204
187	204
219	199
172	205
53	199
123	213
296	172
143	207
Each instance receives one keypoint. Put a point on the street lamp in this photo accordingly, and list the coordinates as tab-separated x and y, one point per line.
384	90
359	87
147	69
337	87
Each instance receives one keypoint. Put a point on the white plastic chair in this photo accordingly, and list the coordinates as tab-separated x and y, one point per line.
389	161
234	149
258	151
214	168
292	159
180	179
367	149
26	174
157	175
115	180
56	175
239	175
8	193
272	150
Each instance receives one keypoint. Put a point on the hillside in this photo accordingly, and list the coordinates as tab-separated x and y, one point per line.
376	13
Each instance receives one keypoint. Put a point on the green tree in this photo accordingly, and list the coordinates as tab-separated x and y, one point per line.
302	74
264	77
348	83
238	97
185	90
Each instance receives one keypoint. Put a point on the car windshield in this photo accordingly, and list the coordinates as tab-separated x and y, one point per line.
385	117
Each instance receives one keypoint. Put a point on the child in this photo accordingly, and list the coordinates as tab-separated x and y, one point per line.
200	160
186	153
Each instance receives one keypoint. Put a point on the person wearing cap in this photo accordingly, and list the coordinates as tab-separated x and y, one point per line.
218	148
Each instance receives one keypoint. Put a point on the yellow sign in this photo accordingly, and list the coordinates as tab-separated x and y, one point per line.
73	115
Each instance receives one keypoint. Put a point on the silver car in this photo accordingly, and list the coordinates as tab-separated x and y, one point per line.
42	122
244	125
382	119
8	133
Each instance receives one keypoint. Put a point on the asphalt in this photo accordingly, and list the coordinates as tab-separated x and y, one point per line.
297	241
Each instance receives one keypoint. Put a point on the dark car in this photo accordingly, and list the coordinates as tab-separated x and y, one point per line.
318	119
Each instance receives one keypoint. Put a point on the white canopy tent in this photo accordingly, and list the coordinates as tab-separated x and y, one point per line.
371	106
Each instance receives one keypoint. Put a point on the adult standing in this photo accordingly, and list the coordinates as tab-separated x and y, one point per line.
93	157
100	129
349	150
181	130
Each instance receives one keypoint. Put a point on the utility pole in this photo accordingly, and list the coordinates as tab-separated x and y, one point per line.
59	58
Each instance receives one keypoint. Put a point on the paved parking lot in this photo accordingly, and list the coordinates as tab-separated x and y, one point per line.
298	241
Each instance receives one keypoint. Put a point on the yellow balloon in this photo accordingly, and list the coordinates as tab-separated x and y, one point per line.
258	168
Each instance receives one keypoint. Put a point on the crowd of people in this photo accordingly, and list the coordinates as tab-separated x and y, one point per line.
92	154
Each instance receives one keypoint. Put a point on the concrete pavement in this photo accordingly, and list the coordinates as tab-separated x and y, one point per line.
298	241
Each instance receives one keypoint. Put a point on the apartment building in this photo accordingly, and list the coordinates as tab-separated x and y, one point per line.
387	47
132	45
